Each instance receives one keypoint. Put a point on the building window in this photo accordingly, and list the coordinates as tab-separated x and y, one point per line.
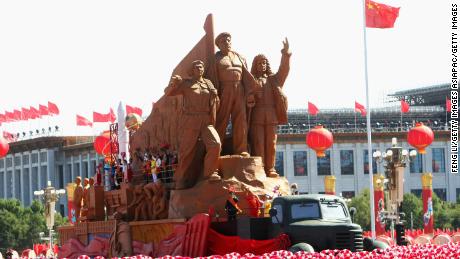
35	176
279	163
438	160
441	193
9	184
324	164
43	157
2	163
61	176
348	194
417	192
85	169
366	162
18	184
347	167
2	174
34	158
17	160
416	164
26	189
25	159
9	162
300	163
457	194
44	176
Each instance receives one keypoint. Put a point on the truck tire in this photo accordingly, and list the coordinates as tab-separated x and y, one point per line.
370	244
301	247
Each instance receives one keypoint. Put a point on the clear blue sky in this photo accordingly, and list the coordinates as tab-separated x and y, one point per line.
88	55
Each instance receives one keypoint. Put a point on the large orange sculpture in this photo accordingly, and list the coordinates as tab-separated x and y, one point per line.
319	139
420	137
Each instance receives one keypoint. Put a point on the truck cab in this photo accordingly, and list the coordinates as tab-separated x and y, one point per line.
319	220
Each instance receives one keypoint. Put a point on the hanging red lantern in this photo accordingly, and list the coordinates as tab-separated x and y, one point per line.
103	145
319	139
4	147
420	137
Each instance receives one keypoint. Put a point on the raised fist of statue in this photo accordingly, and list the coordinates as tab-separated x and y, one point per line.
175	80
285	49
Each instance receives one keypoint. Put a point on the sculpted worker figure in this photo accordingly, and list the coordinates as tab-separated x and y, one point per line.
235	87
269	104
199	115
77	197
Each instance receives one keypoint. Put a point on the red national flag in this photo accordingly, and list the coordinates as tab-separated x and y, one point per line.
17	115
53	109
133	109
404	106
112	116
34	113
9	116
82	121
360	108
25	114
2	118
380	15
312	109
448	105
100	117
43	110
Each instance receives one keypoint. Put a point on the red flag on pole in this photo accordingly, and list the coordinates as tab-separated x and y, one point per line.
448	105
360	108
82	121
53	109
25	114
380	15
2	118
34	113
112	115
9	116
100	117
17	115
133	109
43	110
404	106
312	109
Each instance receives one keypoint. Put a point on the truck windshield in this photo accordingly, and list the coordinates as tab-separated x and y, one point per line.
307	210
333	210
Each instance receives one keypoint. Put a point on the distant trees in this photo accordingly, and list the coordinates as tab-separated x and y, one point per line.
20	226
446	214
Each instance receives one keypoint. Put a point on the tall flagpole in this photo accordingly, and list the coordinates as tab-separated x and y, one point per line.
368	122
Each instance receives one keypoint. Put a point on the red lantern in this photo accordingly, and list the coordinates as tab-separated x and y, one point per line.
103	145
420	137
4	147
319	139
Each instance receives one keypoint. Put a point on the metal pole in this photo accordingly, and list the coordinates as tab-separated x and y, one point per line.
411	220
368	122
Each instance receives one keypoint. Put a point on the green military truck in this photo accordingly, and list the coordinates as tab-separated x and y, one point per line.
315	221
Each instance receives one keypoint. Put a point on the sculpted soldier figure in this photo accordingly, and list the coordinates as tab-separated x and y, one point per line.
235	87
270	109
77	197
199	115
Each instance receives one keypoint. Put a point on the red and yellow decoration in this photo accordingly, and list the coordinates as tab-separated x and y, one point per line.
319	139
70	188
427	198
329	184
379	204
420	137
